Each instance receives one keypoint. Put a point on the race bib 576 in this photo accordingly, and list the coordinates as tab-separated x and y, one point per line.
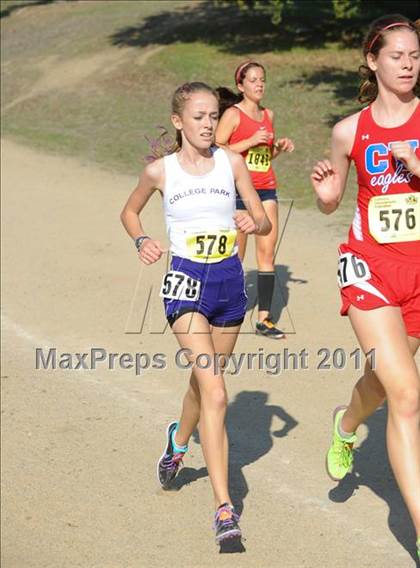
395	218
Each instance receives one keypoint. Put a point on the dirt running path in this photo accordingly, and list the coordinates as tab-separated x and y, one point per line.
80	447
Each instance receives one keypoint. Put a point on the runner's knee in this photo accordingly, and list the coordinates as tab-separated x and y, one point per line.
265	256
405	402
215	398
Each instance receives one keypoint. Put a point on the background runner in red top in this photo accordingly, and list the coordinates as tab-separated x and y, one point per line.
247	127
258	158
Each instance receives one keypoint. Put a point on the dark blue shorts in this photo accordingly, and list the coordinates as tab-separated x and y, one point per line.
263	194
222	298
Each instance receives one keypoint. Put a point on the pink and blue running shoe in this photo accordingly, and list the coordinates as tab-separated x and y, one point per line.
171	460
226	523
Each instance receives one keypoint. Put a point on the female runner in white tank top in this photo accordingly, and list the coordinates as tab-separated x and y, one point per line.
198	187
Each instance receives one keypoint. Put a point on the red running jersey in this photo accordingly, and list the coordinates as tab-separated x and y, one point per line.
387	216
258	158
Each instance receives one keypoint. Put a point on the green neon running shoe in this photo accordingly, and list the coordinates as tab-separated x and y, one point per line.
340	455
418	547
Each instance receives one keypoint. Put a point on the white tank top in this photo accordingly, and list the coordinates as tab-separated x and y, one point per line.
199	210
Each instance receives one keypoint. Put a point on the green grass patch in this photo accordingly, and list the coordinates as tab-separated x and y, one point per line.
92	79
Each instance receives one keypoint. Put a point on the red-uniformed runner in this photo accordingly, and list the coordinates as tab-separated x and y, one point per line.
247	127
379	266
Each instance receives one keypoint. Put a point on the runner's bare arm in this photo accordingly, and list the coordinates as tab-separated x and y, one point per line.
329	177
151	178
256	221
227	125
282	144
404	152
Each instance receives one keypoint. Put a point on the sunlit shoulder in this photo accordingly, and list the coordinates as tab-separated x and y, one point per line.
344	131
154	173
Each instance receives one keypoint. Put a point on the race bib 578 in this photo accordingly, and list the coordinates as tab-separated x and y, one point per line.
179	286
211	246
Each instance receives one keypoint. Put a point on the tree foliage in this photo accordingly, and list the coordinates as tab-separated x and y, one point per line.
348	16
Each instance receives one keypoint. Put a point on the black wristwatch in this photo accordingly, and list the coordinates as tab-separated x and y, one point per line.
139	241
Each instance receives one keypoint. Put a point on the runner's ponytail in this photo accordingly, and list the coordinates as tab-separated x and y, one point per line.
165	144
227	97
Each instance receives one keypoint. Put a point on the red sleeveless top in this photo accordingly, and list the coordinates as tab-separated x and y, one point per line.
258	158
387	215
